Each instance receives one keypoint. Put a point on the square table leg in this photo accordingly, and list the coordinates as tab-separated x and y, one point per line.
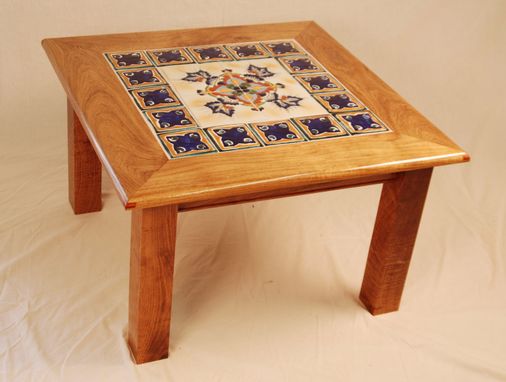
151	272
399	213
84	168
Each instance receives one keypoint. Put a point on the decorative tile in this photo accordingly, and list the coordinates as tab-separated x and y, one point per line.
233	137
171	119
283	48
221	98
186	143
141	77
154	97
364	122
321	126
170	56
210	53
278	132
128	59
244	91
300	64
247	51
319	83
338	102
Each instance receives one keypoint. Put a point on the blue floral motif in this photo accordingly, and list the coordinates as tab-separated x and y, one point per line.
301	65
172	119
320	83
281	48
278	132
140	77
187	142
234	136
250	50
320	125
211	53
129	59
339	101
156	97
170	56
361	122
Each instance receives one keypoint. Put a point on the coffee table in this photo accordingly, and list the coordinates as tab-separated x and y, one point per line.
198	118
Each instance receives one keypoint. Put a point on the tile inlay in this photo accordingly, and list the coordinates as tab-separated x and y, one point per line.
220	98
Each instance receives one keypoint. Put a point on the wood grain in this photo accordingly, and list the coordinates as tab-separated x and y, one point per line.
84	169
141	171
151	272
397	221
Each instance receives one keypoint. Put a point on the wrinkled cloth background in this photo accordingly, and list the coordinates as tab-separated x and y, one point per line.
263	291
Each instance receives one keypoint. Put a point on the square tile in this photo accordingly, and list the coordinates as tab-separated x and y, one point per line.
186	143
170	119
210	53
247	51
235	137
362	122
154	97
283	48
319	83
339	102
300	64
237	92
277	132
321	126
124	60
172	56
140	77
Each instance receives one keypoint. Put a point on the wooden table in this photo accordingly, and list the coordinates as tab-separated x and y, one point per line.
199	118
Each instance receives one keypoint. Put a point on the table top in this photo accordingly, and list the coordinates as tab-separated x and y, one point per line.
194	115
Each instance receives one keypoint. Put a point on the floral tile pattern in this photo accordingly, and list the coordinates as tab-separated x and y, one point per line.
155	97
201	100
233	137
170	56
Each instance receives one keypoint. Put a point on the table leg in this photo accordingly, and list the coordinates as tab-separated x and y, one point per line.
394	235
84	168
151	271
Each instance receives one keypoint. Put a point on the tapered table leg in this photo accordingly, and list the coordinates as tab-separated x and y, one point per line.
84	168
394	235
151	272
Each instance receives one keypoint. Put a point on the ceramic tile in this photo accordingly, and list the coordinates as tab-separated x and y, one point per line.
277	132
251	95
185	143
319	83
300	64
233	137
210	53
170	119
339	102
141	77
320	127
170	56
283	48
221	93
362	122
247	51
155	97
129	60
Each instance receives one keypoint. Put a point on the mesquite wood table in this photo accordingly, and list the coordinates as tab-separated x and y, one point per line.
206	117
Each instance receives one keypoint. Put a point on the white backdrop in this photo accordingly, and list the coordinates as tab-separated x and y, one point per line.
264	291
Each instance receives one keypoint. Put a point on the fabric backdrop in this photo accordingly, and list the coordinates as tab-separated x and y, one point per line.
263	291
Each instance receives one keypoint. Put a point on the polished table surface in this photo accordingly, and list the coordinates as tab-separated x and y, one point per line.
205	116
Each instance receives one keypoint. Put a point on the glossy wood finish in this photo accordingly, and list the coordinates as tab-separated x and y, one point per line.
140	170
393	239
151	272
84	168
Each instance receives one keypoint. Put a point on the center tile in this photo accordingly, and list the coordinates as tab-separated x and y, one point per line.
230	92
